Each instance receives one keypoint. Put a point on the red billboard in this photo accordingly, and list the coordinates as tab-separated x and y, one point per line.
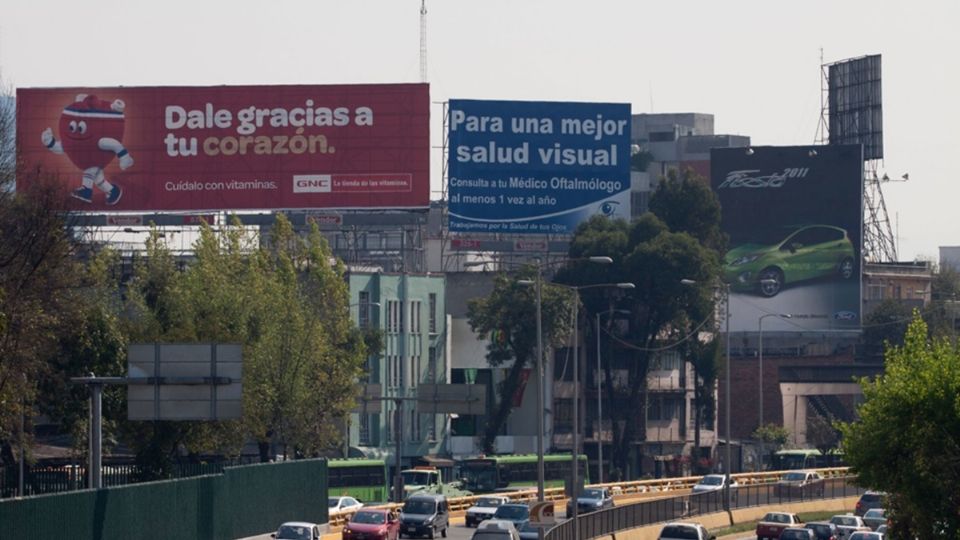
230	147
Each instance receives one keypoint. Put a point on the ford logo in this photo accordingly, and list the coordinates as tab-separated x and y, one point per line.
844	315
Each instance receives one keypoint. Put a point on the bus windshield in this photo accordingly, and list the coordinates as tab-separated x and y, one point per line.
479	477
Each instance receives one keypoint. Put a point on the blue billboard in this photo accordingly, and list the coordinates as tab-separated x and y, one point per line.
523	167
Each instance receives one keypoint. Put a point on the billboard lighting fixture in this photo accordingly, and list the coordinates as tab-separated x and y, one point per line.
749	151
812	152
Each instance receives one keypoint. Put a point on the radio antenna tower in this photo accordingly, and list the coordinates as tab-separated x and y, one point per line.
423	40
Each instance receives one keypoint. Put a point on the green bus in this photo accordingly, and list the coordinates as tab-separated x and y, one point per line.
805	458
362	479
508	473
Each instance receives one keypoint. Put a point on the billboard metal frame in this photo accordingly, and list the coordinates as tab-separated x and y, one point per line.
855	104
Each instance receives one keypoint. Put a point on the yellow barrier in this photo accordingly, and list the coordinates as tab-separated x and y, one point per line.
621	491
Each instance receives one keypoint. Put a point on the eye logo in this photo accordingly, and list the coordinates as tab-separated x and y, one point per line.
609	208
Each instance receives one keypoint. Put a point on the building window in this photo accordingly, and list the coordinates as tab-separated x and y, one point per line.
364	430
431	428
667	361
394	371
661	408
433	313
563	420
415	316
414	370
390	425
364	310
432	365
414	425
394	316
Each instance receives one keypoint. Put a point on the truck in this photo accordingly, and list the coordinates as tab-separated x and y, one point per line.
773	523
427	479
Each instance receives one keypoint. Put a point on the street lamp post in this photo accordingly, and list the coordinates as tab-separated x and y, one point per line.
541	406
575	468
600	399
760	380
725	289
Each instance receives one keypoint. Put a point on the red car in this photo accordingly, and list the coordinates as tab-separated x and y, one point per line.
372	524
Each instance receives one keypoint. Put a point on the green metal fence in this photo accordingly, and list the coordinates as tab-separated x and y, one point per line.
243	501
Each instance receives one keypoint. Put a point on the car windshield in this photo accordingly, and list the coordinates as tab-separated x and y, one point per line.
512	511
332	502
777	518
795	477
592	494
418	507
489	502
874	512
288	532
415	478
491	535
845	520
712	481
678	531
373	518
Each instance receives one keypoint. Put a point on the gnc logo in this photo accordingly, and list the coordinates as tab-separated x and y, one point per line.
312	183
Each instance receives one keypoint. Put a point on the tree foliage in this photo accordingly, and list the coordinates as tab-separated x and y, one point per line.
664	313
508	318
286	302
907	440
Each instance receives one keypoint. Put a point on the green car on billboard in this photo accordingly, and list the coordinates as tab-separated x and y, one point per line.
788	256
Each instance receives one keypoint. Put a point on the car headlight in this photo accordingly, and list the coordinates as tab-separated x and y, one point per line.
427	521
744	260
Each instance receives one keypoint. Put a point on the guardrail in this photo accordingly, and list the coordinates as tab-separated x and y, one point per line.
758	491
622	491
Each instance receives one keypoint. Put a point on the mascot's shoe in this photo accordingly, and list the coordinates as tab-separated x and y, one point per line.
114	195
85	194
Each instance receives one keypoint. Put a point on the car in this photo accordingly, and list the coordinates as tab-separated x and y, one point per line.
372	524
518	514
297	530
848	524
866	535
767	264
774	523
870	499
797	533
823	530
425	514
802	484
882	529
875	517
684	531
591	500
713	482
496	529
339	505
529	532
483	509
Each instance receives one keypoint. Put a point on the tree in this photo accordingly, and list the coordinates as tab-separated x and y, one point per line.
885	326
662	310
774	436
508	318
907	439
39	281
822	433
685	203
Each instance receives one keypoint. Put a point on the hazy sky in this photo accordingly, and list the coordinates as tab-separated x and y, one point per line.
754	64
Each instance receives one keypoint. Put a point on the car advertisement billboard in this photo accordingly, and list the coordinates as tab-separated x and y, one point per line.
520	167
230	147
794	218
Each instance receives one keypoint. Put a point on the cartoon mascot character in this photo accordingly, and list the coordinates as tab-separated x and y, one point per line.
91	130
